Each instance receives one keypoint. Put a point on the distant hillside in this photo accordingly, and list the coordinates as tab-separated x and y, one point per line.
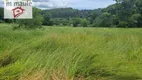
67	13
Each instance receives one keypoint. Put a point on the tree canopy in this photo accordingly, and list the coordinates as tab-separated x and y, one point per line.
125	13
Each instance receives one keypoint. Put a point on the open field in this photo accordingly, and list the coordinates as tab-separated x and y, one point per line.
66	53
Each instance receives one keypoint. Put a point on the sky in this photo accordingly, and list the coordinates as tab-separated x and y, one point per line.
77	4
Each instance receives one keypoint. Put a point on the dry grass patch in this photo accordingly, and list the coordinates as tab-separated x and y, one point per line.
38	75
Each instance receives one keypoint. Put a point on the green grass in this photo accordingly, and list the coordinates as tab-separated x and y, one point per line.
66	53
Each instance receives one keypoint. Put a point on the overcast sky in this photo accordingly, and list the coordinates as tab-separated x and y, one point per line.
78	4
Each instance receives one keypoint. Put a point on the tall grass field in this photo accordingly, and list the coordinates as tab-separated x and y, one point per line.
67	53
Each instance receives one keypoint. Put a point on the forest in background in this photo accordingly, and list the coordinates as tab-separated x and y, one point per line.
123	14
74	53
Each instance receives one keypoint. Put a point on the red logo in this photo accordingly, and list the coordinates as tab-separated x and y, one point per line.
17	11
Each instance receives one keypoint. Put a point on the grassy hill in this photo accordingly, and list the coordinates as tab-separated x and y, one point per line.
66	53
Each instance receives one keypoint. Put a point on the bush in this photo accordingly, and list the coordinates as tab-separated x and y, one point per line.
85	23
104	20
76	22
123	24
80	22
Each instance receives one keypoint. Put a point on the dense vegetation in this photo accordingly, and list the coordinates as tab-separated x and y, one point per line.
66	53
125	13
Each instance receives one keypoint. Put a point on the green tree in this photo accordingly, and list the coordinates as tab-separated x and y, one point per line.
135	20
76	22
104	20
129	13
47	19
84	22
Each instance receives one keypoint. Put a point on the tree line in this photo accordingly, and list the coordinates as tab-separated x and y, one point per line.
124	14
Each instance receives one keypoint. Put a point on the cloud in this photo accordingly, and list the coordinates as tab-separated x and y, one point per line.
78	4
54	3
92	4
